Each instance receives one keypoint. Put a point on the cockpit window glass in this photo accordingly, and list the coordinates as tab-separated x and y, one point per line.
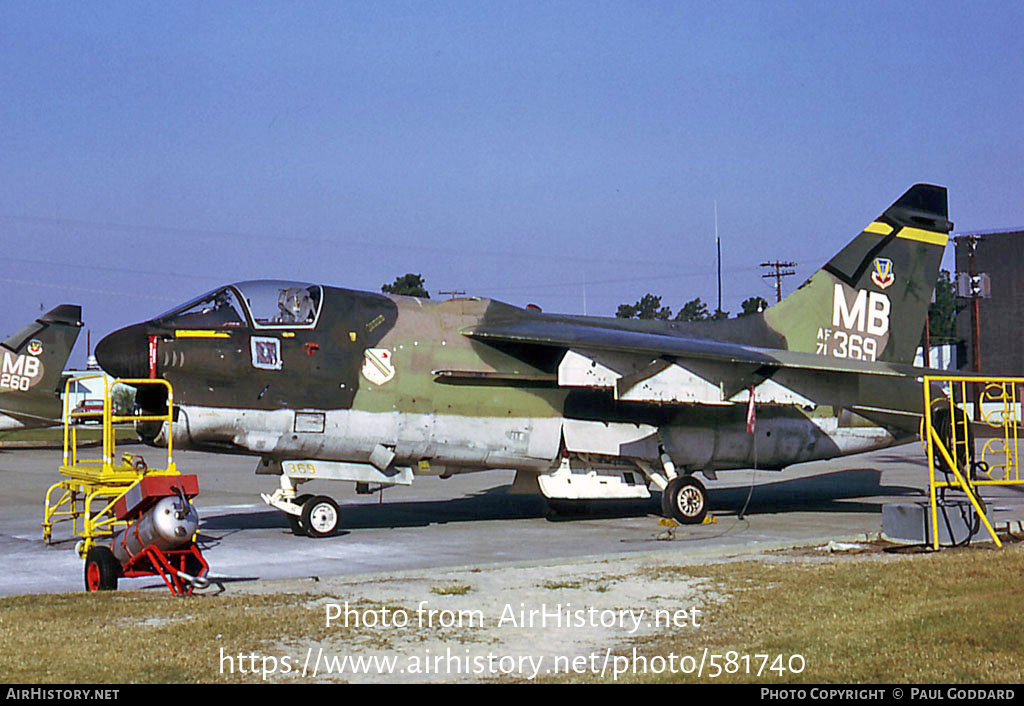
217	309
279	304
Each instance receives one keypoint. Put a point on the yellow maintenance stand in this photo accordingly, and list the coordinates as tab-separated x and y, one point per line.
91	487
949	438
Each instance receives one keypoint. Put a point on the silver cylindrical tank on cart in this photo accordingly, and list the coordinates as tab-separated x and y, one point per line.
167	525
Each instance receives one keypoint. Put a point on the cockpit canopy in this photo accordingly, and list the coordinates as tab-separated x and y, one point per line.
261	303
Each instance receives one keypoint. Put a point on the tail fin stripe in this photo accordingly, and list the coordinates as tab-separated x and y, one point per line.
879	228
924	236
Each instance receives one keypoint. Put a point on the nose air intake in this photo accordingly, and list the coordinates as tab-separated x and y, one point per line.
125	352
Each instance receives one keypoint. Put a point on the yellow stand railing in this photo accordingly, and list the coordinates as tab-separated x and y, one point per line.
91	487
999	393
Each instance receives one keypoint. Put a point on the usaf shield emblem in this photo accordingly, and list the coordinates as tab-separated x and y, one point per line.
882	274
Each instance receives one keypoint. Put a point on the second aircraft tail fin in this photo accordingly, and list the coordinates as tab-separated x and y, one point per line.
32	360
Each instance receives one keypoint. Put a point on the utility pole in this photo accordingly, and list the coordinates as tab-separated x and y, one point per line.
778	275
974	285
926	348
972	268
718	247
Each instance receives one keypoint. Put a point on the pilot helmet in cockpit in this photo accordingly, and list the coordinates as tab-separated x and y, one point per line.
296	305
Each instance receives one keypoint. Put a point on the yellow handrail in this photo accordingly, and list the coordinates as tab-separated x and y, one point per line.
86	480
999	390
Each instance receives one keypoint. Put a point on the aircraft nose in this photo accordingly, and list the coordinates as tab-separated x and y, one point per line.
125	352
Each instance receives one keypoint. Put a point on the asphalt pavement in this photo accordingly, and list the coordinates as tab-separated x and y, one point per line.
468	520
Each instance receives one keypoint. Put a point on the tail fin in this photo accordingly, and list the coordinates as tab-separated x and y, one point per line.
870	301
31	363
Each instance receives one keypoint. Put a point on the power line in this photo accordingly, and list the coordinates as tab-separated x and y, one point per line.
339	243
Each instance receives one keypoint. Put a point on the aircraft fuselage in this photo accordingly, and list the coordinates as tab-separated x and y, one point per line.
367	370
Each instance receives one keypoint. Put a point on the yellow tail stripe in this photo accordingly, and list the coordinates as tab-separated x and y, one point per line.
879	228
924	236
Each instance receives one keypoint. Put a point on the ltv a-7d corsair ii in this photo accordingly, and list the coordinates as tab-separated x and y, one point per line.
328	383
31	366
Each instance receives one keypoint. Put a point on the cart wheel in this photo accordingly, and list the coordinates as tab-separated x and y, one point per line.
319	516
102	570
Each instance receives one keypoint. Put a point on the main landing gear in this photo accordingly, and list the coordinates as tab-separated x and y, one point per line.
685	500
683	497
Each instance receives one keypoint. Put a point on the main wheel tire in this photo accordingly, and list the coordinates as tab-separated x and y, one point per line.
320	516
685	500
102	570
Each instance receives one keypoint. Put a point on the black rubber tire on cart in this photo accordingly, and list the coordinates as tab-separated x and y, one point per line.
320	516
102	570
685	500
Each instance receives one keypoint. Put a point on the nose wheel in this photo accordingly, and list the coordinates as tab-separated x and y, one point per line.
685	500
308	515
319	516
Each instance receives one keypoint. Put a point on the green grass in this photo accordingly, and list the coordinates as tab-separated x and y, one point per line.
556	585
951	617
132	637
451	589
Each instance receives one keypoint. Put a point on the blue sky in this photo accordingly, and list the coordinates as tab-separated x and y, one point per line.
564	153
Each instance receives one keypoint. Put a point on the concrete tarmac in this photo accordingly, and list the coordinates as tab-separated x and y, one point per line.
467	520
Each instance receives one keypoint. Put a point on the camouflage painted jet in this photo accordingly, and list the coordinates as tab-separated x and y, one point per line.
329	383
30	372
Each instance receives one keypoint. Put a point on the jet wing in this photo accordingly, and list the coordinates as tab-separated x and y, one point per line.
605	338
